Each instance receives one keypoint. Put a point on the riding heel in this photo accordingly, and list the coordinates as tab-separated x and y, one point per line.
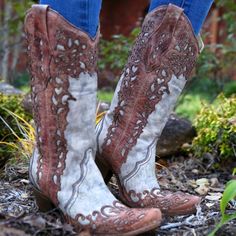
44	204
104	169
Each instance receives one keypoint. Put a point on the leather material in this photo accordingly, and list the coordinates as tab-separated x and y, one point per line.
64	83
161	60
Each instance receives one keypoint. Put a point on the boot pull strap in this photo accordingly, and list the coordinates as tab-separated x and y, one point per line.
173	10
173	13
40	24
41	20
171	17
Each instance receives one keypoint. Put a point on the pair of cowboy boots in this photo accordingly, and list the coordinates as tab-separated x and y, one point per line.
64	84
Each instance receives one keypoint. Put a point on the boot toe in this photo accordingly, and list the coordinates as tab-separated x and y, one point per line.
151	219
133	222
182	204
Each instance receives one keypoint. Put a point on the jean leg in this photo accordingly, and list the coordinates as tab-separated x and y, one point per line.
158	3
84	14
196	10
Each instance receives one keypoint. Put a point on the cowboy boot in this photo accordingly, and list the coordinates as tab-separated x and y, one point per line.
161	60
62	170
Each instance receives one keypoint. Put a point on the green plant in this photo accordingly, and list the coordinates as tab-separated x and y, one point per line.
228	195
230	88
8	104
216	61
22	82
201	90
105	96
190	105
22	144
234	171
114	53
216	128
19	8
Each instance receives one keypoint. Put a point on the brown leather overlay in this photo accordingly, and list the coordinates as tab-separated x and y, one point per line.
57	51
118	219
170	203
165	47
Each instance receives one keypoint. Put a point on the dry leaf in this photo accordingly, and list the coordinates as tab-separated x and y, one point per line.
214	182
209	205
192	183
195	171
214	196
202	181
202	190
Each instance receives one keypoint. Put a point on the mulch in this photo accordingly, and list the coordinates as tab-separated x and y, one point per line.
19	213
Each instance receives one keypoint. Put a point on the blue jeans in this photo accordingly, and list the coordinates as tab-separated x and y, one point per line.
85	13
195	10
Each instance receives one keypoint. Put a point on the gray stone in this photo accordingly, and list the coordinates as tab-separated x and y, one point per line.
8	89
177	132
102	106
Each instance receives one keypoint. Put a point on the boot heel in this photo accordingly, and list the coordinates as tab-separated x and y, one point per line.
104	169
44	204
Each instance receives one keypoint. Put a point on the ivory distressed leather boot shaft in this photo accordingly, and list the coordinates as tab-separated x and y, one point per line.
161	60
64	83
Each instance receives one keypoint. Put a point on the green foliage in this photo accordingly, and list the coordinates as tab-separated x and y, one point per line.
197	91
105	96
228	195
230	88
189	106
217	60
22	82
202	90
8	122
234	171
230	14
114	53
19	8
216	128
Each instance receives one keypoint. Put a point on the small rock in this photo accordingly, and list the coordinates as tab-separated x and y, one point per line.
102	107
202	190
202	181
177	132
8	89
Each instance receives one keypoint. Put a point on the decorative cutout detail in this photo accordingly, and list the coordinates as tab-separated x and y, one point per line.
166	201
109	218
162	50
51	65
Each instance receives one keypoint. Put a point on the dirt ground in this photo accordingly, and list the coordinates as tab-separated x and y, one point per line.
19	214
